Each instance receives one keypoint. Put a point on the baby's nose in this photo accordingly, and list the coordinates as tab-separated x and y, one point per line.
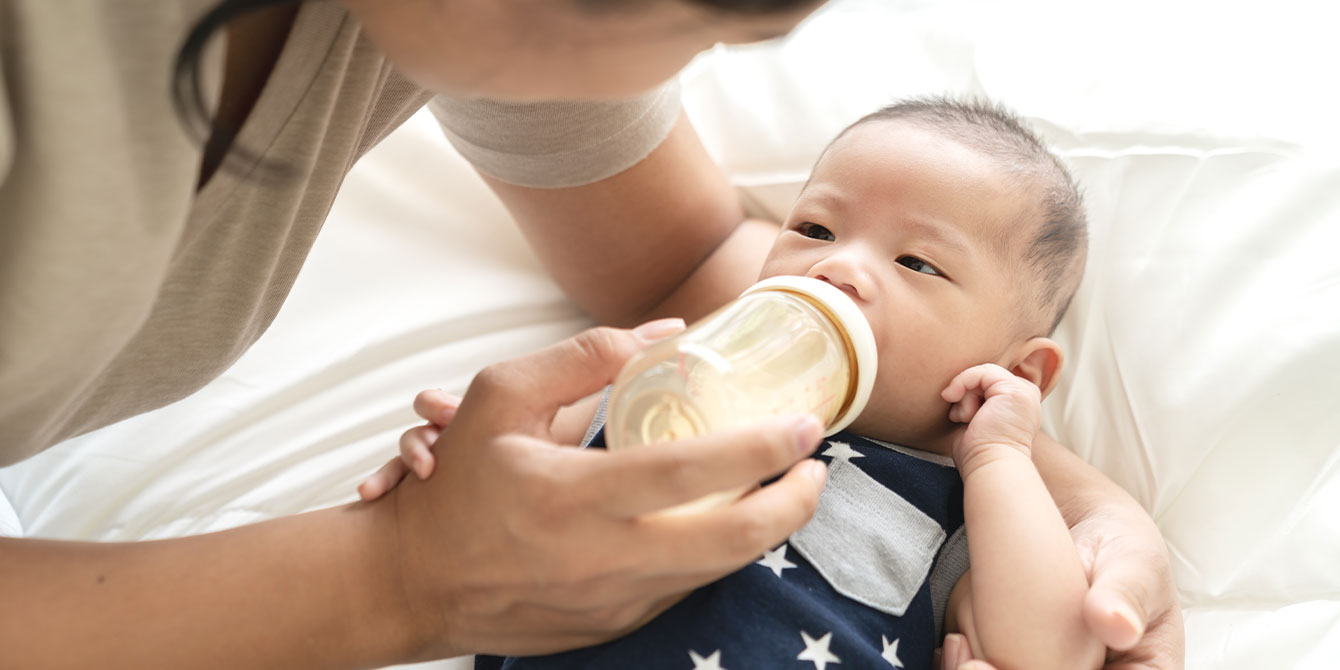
845	287
848	269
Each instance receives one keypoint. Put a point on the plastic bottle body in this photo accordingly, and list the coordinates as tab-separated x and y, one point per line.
787	345
767	353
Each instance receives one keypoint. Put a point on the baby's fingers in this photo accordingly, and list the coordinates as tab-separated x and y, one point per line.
414	455
965	394
415	452
972	378
383	480
436	406
988	379
966	408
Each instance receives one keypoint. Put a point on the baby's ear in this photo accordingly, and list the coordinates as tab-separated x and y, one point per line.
1039	361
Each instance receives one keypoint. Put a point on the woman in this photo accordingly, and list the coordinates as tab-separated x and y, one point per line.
139	261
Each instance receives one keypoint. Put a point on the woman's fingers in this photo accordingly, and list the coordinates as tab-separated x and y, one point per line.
1130	581
975	665
1132	605
1113	618
539	384
1128	591
954	652
654	477
738	532
570	542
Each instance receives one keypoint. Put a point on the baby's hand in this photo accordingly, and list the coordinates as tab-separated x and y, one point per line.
1002	410
438	408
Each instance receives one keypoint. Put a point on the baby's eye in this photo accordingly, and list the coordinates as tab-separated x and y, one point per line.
815	231
917	265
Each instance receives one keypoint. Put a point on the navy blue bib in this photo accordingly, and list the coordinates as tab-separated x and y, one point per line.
853	587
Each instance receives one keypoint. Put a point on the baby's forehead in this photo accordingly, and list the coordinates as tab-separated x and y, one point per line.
963	186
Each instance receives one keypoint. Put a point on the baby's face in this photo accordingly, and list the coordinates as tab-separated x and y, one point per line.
916	228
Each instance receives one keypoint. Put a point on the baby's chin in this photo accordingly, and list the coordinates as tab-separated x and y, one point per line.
928	434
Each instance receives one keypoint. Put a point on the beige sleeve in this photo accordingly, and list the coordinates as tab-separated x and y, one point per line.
558	144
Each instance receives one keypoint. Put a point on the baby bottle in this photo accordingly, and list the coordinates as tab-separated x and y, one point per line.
787	344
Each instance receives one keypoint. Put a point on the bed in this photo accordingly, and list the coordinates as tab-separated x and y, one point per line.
1204	343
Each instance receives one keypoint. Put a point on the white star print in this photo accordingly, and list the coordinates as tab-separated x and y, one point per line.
712	662
841	451
891	652
816	651
775	560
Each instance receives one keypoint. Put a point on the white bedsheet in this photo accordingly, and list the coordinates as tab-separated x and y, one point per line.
9	519
1204	344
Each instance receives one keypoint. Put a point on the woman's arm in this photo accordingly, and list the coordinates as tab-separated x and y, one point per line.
666	237
305	591
515	546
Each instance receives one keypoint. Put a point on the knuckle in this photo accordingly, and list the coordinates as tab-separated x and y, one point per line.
596	343
806	504
412	438
622	619
751	536
552	502
603	344
608	619
774	450
612	610
489	382
568	569
488	377
678	475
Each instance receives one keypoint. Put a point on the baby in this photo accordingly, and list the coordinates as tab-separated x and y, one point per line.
962	239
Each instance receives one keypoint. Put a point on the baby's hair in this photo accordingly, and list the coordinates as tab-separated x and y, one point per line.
1057	250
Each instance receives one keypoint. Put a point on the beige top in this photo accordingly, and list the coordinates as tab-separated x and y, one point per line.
122	288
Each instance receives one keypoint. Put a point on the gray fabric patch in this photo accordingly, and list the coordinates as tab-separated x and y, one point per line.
951	566
868	542
597	421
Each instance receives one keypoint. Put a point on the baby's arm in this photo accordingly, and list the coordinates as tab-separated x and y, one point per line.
1025	597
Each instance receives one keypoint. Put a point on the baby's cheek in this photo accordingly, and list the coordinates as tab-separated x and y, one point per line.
907	397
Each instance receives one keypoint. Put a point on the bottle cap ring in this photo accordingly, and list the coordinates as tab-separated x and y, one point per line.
853	324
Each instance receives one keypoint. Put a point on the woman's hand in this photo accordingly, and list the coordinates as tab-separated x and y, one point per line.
1132	603
437	408
1160	644
519	546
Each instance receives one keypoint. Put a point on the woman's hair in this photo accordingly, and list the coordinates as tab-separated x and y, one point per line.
187	96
